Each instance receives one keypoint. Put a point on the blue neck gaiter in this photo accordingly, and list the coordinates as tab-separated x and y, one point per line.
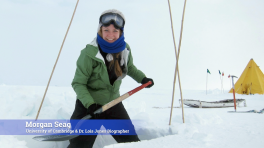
117	46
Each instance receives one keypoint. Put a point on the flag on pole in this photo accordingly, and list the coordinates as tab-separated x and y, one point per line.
222	81
207	79
230	80
208	71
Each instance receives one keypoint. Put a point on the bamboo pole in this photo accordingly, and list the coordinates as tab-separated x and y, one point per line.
57	60
176	55
177	59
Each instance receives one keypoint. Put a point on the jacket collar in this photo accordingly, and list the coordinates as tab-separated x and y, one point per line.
95	44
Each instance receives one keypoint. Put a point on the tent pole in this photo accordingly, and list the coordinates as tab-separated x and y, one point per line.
56	60
177	61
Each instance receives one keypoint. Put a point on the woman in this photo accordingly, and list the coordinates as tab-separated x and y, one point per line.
101	67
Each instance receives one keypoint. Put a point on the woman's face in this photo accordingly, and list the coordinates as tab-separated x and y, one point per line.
110	33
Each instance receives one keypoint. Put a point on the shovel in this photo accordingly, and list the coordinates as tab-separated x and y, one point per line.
98	111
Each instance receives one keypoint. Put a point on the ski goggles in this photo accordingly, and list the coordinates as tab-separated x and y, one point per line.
114	18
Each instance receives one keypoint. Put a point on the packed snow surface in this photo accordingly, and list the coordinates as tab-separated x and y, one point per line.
203	127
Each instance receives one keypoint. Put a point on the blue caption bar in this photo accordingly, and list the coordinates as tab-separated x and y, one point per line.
66	127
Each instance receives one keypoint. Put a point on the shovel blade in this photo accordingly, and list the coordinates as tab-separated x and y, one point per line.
54	137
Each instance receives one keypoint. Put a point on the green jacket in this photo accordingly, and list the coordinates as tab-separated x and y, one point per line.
91	82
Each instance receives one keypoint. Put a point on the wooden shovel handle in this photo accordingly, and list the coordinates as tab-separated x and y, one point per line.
123	97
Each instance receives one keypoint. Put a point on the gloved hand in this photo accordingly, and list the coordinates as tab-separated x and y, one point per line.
146	80
91	109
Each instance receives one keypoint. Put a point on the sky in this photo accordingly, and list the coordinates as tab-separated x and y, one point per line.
217	35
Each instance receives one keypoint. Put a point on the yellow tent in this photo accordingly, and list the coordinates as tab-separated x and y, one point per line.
251	81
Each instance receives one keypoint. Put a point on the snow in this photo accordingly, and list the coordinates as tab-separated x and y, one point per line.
203	127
